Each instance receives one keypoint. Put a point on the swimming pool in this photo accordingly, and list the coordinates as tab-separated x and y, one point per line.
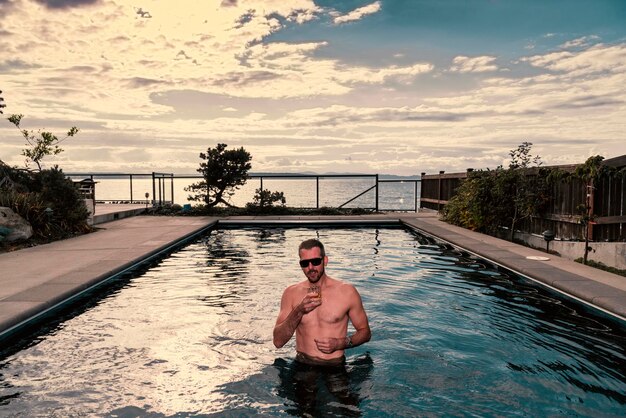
191	336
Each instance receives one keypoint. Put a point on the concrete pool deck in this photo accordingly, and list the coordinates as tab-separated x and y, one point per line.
33	281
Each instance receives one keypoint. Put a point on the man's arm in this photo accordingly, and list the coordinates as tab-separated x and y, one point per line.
289	318
359	320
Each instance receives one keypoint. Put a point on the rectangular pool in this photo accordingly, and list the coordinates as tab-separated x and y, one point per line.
191	335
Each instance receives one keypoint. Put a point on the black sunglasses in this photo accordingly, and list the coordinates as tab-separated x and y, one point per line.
314	261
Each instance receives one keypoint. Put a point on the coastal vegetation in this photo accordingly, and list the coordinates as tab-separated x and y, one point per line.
254	210
223	172
45	198
41	143
490	201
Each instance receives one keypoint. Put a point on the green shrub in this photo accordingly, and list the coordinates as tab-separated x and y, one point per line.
488	200
59	192
265	199
47	200
29	206
475	205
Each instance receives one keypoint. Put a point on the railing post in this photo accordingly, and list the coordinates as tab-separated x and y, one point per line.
439	195
153	188
172	187
422	174
261	183
163	187
376	192
131	188
317	192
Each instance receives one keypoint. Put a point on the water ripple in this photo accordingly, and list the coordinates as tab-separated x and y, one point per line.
191	336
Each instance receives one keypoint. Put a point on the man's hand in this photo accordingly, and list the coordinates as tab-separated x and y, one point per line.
330	345
309	303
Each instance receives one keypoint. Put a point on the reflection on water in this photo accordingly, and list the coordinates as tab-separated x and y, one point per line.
191	336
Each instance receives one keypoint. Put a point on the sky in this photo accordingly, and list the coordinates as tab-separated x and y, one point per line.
388	86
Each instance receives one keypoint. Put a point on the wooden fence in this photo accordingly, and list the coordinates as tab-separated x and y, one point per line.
607	199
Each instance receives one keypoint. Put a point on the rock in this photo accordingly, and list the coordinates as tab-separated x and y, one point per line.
19	228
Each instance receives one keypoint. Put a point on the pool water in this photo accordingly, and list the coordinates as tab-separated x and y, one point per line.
192	336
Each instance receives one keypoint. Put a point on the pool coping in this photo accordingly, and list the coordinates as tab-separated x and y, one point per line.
48	277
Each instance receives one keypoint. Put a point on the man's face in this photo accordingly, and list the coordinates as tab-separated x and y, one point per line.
313	273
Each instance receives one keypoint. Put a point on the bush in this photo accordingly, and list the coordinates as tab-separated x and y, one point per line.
264	198
47	200
488	200
474	205
29	206
69	210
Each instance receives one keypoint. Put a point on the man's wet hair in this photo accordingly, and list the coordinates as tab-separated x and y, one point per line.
312	243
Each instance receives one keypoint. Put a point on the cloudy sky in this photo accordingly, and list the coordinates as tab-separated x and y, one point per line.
388	86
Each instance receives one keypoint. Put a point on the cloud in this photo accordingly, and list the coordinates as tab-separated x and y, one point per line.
245	18
591	101
138	82
143	13
580	42
193	76
16	65
337	115
595	59
463	64
66	4
357	14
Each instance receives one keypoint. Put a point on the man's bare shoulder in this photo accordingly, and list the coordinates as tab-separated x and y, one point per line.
343	287
295	288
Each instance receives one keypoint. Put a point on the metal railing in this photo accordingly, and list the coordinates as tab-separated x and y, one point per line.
161	181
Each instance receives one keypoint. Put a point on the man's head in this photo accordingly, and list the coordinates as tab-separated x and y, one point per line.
310	244
312	259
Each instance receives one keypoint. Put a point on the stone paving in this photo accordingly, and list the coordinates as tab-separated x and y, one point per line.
36	280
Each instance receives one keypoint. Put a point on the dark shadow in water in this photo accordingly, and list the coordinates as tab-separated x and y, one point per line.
265	236
324	391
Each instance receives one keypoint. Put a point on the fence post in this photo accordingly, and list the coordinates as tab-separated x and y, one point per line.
172	186
131	188
422	174
153	189
591	207
439	195
317	192
164	191
376	192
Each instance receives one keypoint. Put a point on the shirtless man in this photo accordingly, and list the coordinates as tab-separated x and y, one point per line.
320	323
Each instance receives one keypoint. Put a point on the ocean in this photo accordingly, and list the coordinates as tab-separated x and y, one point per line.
396	195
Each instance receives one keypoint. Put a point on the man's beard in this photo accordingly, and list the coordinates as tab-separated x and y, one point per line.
316	277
